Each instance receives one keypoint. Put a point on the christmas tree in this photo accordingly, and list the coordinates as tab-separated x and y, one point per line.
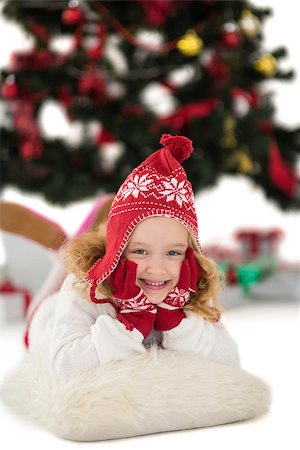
131	70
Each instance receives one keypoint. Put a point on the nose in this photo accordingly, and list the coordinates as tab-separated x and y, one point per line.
156	265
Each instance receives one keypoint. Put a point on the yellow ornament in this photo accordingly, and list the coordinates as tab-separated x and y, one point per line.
229	139
241	160
229	123
190	44
266	65
249	23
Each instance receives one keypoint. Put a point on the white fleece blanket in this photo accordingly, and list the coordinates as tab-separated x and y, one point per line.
158	391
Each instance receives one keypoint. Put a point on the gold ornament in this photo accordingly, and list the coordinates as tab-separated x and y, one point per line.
229	123
229	138
190	44
228	141
241	160
249	23
266	65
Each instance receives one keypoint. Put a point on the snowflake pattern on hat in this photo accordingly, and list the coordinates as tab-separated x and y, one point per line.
175	190
169	189
135	187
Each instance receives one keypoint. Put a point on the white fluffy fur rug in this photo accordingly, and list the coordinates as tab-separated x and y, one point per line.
160	390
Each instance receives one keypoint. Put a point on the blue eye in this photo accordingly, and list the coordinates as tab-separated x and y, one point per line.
174	253
139	251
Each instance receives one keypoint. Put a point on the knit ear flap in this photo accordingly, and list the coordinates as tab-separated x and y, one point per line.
180	146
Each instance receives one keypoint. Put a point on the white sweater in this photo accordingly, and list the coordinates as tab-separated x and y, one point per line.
73	334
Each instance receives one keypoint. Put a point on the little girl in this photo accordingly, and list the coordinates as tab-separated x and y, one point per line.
142	281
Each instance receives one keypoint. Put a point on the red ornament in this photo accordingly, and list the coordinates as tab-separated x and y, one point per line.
93	85
72	16
156	12
231	39
9	91
105	137
30	149
27	130
95	53
43	59
64	95
218	70
281	174
33	60
89	83
40	31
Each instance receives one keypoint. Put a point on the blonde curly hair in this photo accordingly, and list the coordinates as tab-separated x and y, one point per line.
81	253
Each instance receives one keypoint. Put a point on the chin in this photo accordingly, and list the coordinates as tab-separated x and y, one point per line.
156	299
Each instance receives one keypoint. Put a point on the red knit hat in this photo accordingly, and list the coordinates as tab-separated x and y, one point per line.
157	187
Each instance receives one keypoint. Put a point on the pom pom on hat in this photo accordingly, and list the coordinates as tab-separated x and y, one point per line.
180	146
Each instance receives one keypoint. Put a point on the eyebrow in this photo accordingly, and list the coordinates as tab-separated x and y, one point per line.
171	245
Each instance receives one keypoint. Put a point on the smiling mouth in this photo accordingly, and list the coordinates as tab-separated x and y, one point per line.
155	285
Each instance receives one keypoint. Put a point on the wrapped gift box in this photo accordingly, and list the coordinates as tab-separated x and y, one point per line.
14	302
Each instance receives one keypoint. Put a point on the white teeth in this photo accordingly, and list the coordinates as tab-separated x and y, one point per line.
161	283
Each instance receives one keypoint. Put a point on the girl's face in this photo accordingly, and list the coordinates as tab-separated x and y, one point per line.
158	247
